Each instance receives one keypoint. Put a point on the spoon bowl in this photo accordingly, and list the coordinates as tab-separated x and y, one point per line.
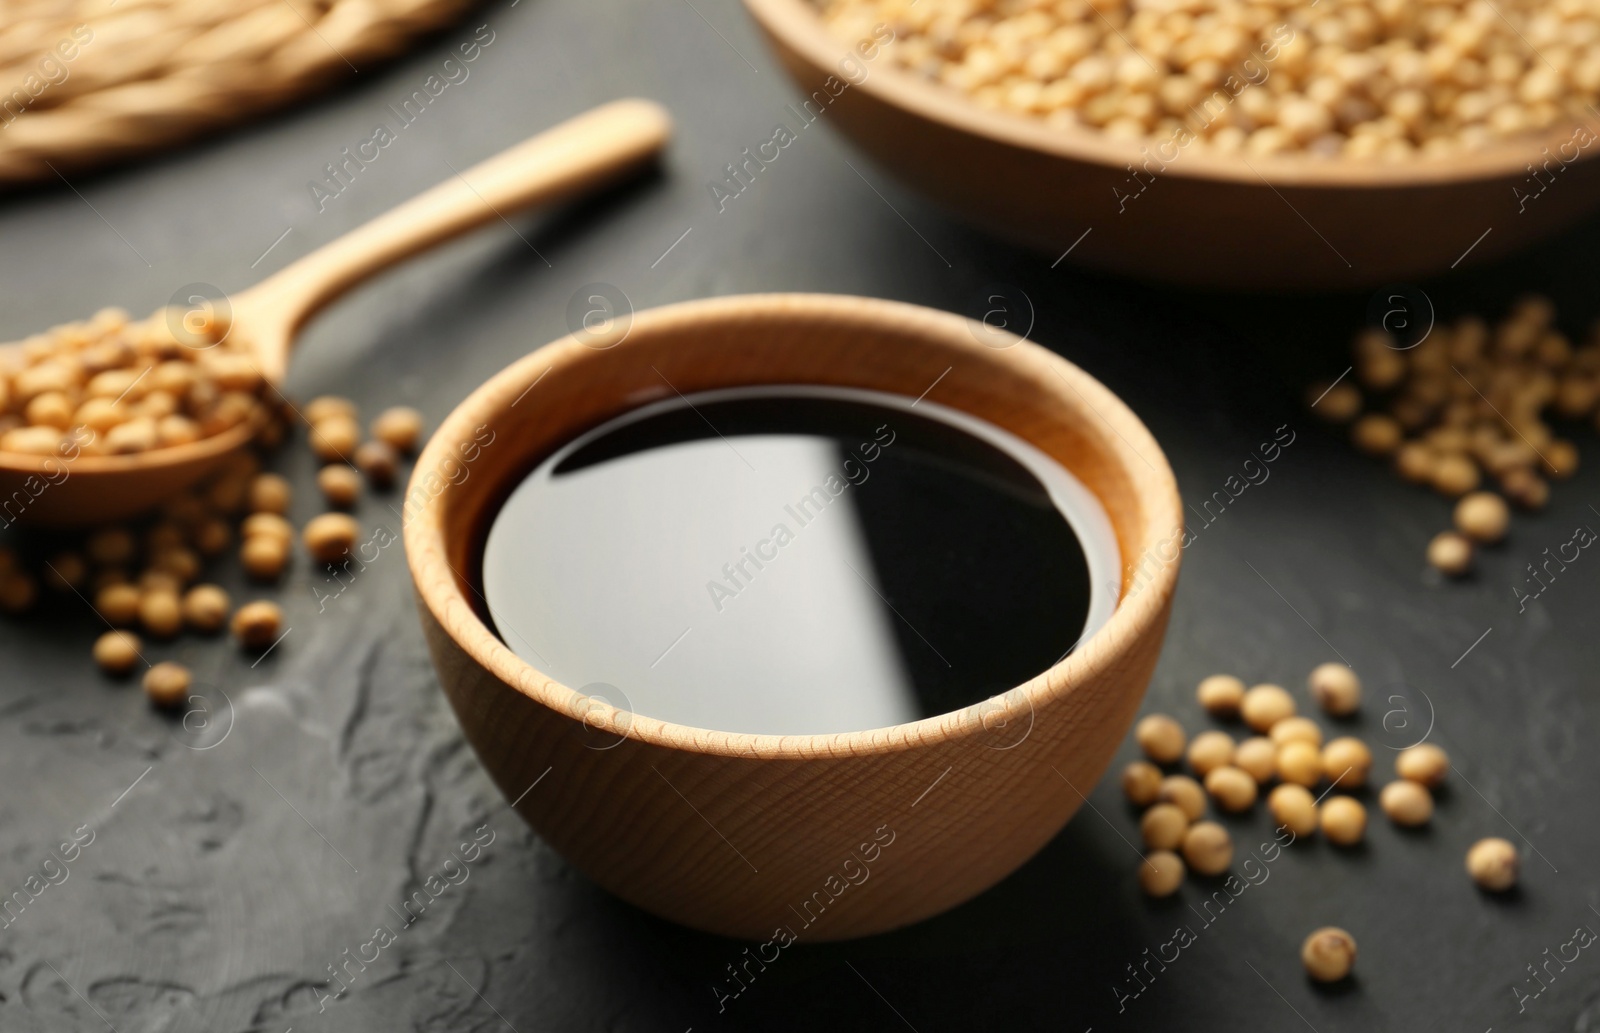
592	150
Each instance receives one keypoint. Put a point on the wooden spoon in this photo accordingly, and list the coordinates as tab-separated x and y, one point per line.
579	155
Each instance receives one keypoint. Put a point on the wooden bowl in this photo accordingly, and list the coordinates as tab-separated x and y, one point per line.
1210	219
829	836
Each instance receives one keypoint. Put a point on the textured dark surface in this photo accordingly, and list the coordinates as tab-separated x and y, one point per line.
209	898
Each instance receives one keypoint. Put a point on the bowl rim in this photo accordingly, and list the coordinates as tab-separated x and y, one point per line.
796	24
1138	615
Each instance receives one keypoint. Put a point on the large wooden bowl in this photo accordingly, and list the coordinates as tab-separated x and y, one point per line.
747	834
1208	218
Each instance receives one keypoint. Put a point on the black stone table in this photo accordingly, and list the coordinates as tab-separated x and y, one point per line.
232	866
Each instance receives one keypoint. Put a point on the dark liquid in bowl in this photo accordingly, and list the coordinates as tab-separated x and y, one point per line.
795	561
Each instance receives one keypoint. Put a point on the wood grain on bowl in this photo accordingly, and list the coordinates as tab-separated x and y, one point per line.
742	834
1188	215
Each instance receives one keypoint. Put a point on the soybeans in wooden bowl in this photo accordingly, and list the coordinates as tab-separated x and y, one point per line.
1241	145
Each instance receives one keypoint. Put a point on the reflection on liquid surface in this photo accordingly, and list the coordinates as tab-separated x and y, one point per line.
795	561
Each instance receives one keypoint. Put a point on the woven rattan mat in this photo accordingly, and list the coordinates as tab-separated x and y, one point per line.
88	83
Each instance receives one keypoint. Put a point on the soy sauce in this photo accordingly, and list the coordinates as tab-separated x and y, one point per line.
797	560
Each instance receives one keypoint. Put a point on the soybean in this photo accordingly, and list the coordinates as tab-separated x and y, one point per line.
1493	864
398	427
1141	783
1425	764
1207	848
264	557
1257	757
1346	762
1162	826
1210	750
205	608
1344	821
1328	954
1483	517
167	684
1266	705
1299	763
1296	729
160	613
1186	793
116	651
1294	808
1160	737
256	624
1161	873
335	438
379	462
1450	553
339	484
330	537
1232	789
269	493
1406	803
1336	689
1221	695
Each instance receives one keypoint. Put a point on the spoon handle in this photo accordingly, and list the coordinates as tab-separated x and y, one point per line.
585	152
